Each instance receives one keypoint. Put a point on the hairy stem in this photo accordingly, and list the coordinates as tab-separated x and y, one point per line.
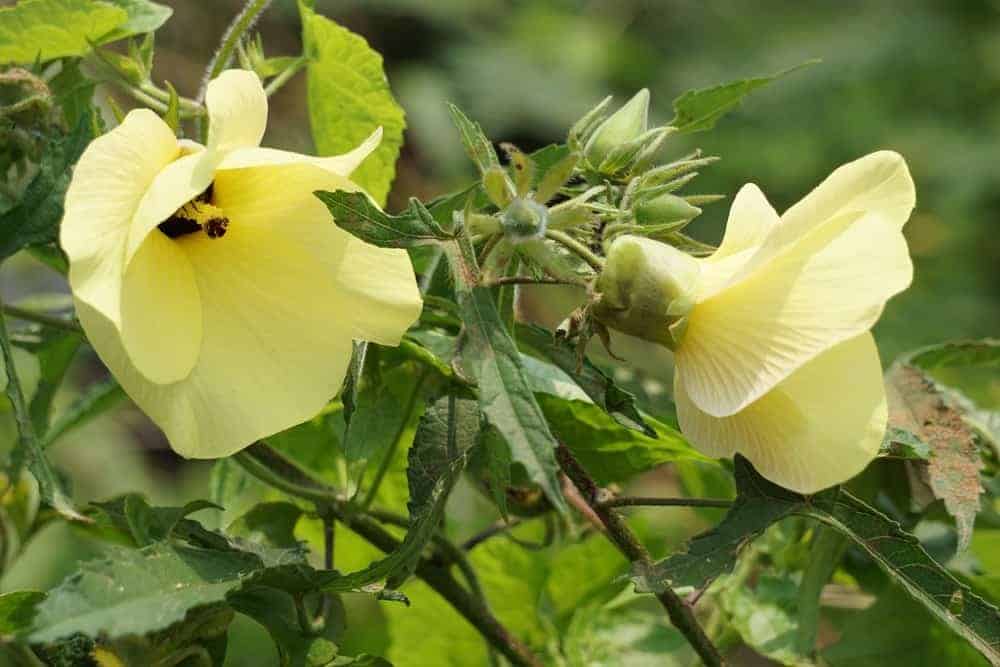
273	468
641	501
574	246
275	84
681	615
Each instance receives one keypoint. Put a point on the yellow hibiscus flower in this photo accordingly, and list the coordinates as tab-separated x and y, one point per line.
774	359
211	281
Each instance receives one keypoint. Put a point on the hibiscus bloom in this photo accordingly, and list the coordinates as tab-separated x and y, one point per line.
774	359
211	281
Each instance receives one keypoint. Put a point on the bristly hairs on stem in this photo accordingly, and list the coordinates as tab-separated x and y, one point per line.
242	23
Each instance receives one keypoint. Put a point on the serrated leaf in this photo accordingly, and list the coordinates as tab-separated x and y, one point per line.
139	591
349	97
984	352
143	16
610	451
760	503
357	214
43	30
17	611
146	524
35	218
491	358
698	110
952	472
900	443
602	390
271	524
479	149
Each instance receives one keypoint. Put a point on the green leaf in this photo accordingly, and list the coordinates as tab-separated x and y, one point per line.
760	503
479	149
143	16
355	213
54	349
275	610
602	390
271	524
139	591
765	616
698	110
490	461
17	611
917	404
902	444
73	92
146	524
985	352
897	631
35	219
349	97
610	451
43	30
491	358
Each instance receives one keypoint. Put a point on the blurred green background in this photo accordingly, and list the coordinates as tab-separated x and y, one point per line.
921	77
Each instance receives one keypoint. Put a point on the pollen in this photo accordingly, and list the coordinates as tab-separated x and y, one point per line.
197	215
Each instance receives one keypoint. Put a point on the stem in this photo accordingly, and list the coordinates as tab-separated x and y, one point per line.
275	84
272	468
681	615
528	280
576	247
640	501
54	321
234	33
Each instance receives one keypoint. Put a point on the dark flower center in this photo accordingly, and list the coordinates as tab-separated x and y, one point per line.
199	214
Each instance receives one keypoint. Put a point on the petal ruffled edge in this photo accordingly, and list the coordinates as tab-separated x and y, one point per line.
342	165
237	111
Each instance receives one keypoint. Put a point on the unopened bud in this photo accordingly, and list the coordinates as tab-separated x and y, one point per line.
647	289
525	219
623	126
664	208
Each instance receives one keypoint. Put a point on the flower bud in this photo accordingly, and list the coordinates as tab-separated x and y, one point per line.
525	219
663	209
623	126
646	289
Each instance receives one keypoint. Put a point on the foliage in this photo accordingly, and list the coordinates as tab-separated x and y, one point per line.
461	496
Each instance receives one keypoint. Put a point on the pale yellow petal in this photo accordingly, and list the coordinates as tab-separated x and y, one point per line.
819	427
375	288
237	111
108	185
829	287
179	182
751	219
343	165
161	311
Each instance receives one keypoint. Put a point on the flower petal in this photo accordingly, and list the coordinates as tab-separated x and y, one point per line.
180	181
829	287
108	184
375	287
237	111
277	323
161	312
819	427
339	164
751	219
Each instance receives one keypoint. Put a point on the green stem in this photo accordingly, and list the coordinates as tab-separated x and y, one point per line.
273	468
681	615
574	246
827	547
234	33
640	501
275	84
54	321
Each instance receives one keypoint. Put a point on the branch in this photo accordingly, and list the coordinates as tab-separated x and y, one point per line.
681	615
54	321
642	501
273	468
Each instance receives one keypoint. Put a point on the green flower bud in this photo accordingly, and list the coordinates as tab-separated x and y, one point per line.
623	126
647	289
664	208
525	219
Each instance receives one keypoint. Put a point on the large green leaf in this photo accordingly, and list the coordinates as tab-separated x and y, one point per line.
349	97
47	29
491	358
35	218
698	110
355	213
17	611
137	591
143	16
760	503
